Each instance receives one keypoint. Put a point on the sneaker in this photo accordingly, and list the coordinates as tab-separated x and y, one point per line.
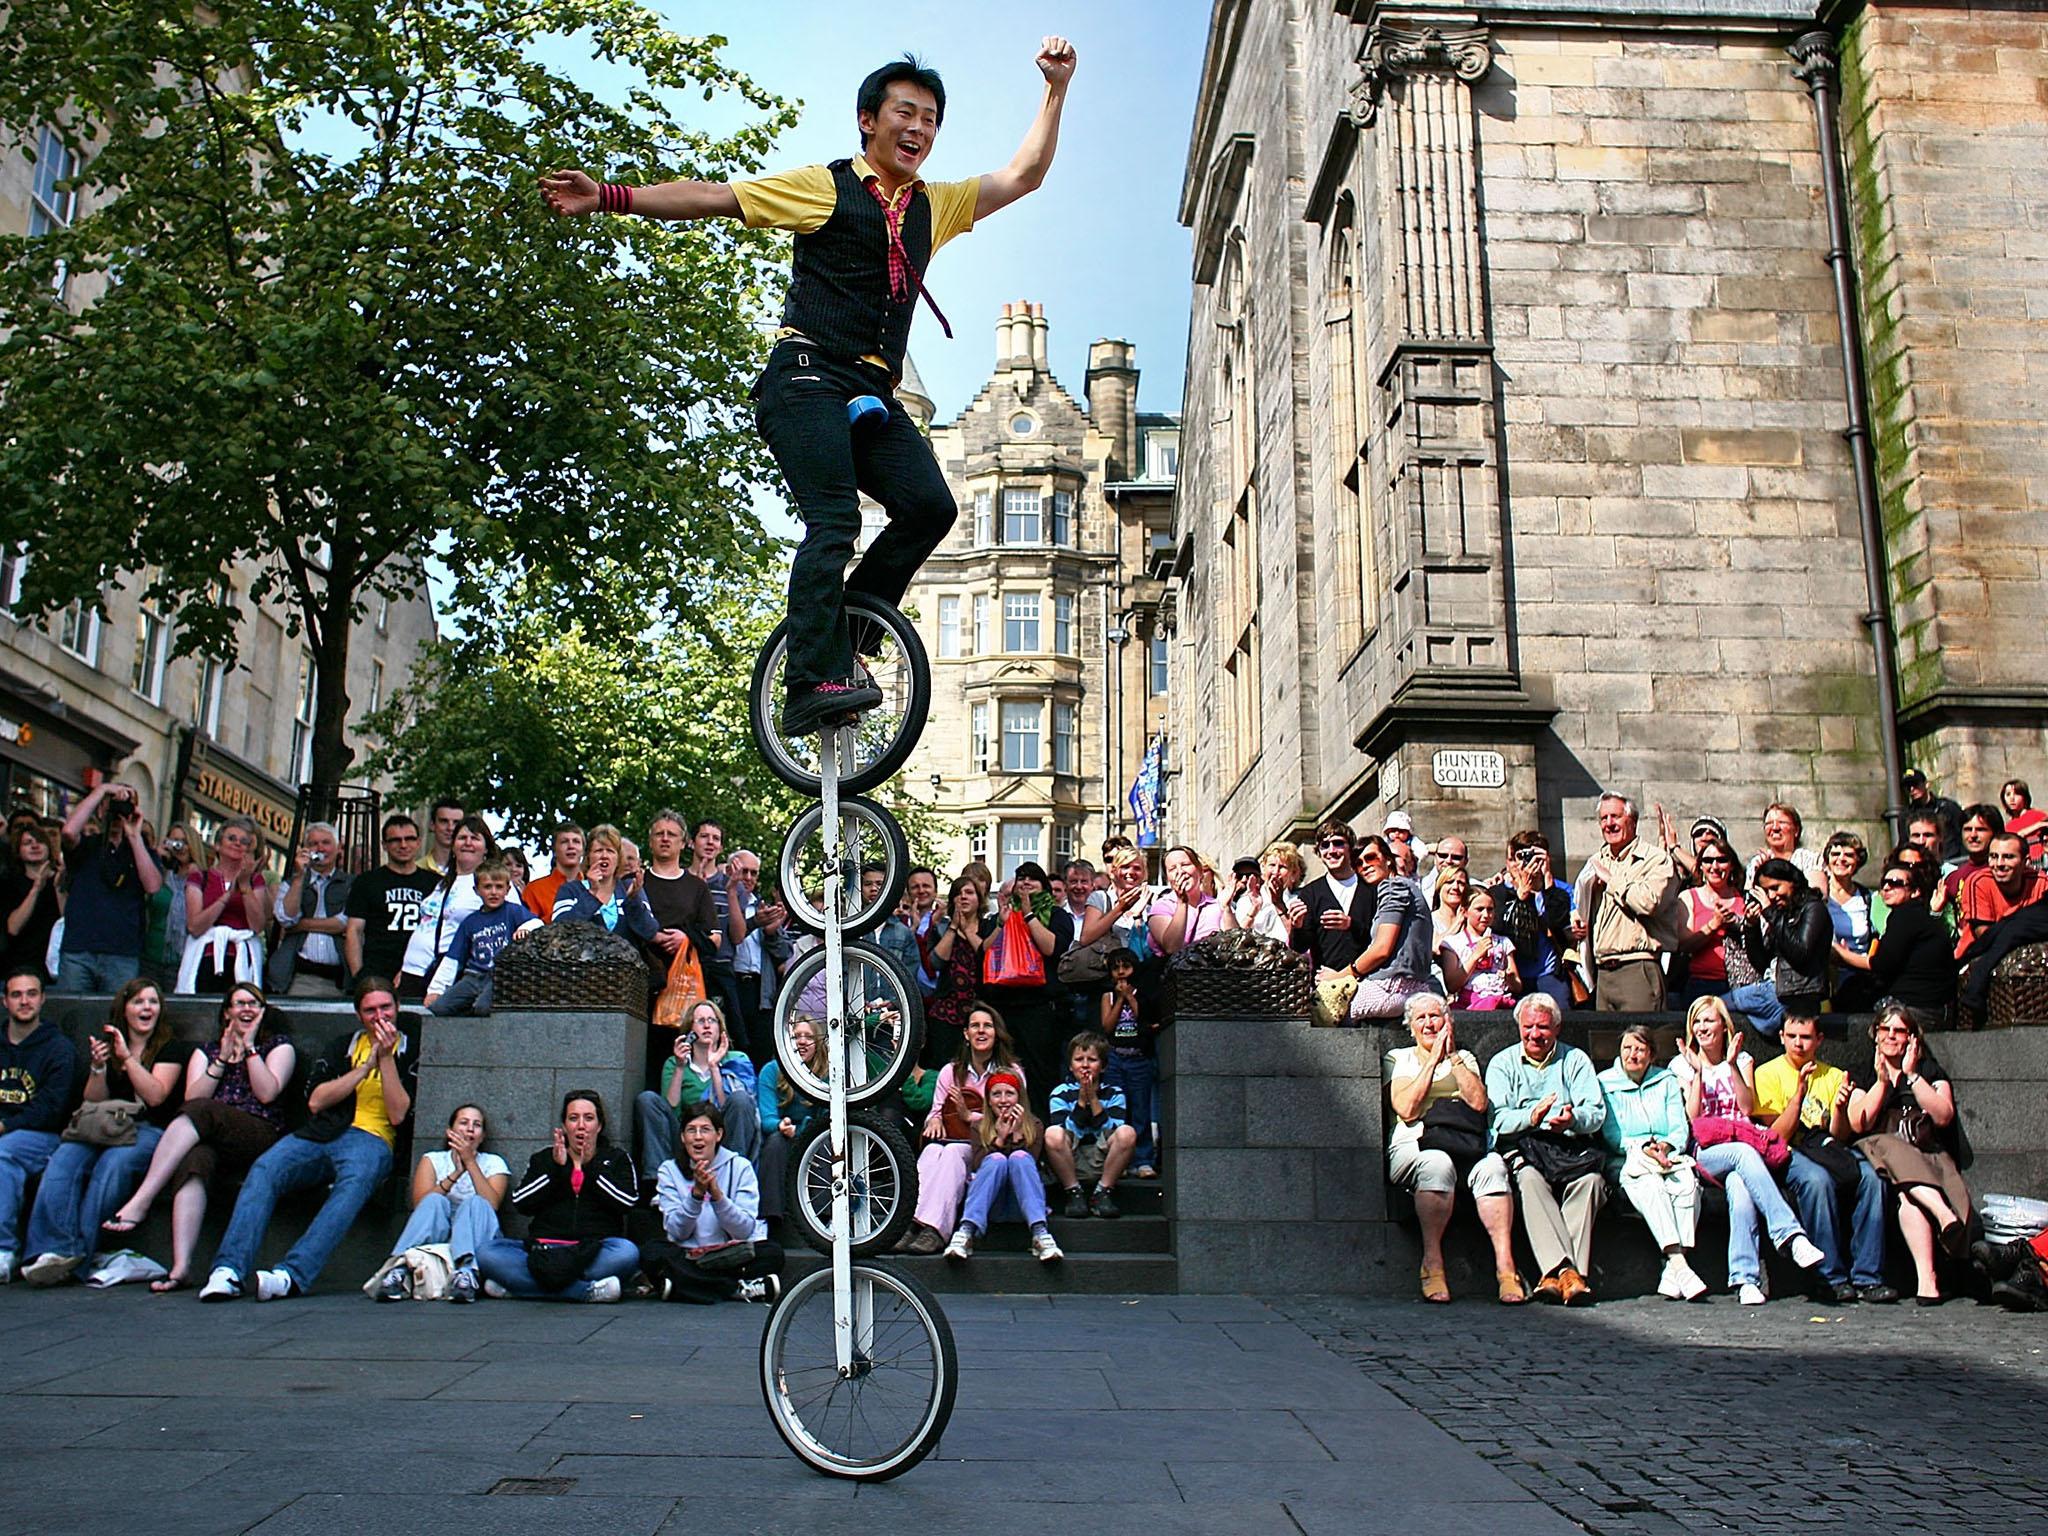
1103	1203
463	1287
1803	1251
923	1240
962	1246
1690	1286
1881	1295
275	1284
396	1286
495	1291
1044	1249
824	703
1751	1296
762	1292
606	1290
222	1285
1668	1285
1077	1203
51	1268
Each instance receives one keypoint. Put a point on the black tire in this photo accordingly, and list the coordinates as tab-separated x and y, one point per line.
880	841
882	1040
911	1361
884	1174
873	749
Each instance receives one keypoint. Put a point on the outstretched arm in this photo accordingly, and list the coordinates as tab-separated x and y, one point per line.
574	192
1027	168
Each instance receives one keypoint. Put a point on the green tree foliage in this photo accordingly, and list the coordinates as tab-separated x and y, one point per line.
334	329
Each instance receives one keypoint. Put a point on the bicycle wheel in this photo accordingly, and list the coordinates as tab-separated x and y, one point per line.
884	1413
881	1171
868	834
884	1022
875	746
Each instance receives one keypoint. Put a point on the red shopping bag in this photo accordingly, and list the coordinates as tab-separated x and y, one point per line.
1011	959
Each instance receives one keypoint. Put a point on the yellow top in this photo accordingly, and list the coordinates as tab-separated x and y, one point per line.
801	200
1776	1082
370	1114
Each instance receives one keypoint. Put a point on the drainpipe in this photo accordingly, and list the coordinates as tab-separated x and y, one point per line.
1816	64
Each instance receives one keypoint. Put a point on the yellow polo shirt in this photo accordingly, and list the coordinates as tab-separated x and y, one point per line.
1777	1080
371	1115
801	200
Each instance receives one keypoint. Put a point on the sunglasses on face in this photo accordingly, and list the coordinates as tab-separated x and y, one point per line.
1724	863
1894	883
1333	842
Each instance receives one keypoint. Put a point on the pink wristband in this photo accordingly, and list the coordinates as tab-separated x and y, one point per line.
614	197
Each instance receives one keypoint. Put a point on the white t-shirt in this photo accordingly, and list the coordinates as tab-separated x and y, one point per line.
440	915
443	1164
1717	1088
1343	890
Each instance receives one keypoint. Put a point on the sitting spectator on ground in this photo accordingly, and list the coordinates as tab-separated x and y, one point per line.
361	1094
2022	818
1805	1103
1532	909
29	898
1006	1183
1089	1137
38	1075
1629	912
1718	1078
1788	936
714	1244
1947	816
1648	1135
565	854
1851	910
233	1112
1981	823
1131	1026
1431	1072
312	915
1394	965
227	908
786	1113
1478	964
598	897
2007	884
1783	830
452	899
702	1066
576	1196
1713	912
133	1058
1902	1112
456	1193
1547	1111
461	983
1912	962
950	1129
111	875
1269	903
384	905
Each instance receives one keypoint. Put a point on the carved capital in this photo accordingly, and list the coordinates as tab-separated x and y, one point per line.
1412	48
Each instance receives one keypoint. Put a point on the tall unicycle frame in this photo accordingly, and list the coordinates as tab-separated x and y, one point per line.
858	1365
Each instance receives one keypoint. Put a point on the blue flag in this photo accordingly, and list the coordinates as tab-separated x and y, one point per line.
1145	793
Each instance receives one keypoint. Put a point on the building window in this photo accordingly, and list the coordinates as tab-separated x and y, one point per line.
1021	522
1020	621
1344	474
1063	624
13	567
383	614
977	739
1237	597
984	519
1023	735
302	719
1022	425
1021	845
1066	846
977	843
49	208
376	686
1063	519
213	675
981	642
78	631
1156	684
152	653
1162	456
949	628
1066	738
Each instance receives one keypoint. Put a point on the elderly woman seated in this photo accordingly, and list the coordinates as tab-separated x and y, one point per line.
1439	1133
1648	1134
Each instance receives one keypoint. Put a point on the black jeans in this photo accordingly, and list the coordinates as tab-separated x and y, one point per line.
800	408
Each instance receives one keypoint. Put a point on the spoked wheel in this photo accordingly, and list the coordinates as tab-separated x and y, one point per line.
877	744
884	1022
885	1412
868	834
881	1175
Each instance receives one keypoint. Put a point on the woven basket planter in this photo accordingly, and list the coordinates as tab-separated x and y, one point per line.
2019	989
1238	975
577	967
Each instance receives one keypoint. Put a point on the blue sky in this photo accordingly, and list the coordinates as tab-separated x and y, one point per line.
1098	245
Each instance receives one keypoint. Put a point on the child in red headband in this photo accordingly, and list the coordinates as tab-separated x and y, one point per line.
1007	1143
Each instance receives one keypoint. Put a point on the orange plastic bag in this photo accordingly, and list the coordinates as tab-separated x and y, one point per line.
684	991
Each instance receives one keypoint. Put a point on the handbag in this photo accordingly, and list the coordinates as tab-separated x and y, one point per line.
720	1258
557	1266
1011	959
683	990
105	1123
1087	965
1452	1126
1837	1158
1712	1130
1558	1159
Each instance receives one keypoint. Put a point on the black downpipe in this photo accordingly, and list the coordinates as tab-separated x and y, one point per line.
1817	65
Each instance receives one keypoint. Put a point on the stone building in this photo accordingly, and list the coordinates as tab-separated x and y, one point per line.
93	690
1040	609
1521	463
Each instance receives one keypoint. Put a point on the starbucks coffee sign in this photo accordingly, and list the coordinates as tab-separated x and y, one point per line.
1468	770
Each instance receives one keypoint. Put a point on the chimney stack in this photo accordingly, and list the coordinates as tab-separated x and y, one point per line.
1112	391
1003	337
1038	338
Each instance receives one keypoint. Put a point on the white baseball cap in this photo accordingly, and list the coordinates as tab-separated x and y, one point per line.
1397	821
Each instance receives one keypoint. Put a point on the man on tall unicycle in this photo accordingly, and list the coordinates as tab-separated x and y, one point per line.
866	229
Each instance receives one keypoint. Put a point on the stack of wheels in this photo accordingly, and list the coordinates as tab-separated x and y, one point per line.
883	1412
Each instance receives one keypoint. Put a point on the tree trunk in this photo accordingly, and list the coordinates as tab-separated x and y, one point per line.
332	753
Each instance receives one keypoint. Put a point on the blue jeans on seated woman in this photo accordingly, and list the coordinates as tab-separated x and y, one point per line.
465	1228
504	1260
1006	1187
82	1186
1752	1192
1758	1002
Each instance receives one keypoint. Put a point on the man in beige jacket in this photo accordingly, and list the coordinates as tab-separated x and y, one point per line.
1631	905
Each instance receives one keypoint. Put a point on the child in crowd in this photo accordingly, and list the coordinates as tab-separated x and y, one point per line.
461	983
714	1245
1132	1029
1478	965
951	1126
1006	1180
1089	1136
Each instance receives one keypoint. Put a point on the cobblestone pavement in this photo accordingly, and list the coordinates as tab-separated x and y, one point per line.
1648	1417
